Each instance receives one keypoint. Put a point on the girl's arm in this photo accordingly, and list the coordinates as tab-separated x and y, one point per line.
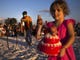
70	41
38	35
71	33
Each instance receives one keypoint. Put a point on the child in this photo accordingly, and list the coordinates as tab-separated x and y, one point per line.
39	26
65	27
50	44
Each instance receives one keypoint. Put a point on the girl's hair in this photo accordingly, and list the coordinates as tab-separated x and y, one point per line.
62	4
39	20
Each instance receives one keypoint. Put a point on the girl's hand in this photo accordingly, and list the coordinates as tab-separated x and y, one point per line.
62	52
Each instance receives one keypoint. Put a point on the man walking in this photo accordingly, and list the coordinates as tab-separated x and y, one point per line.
26	25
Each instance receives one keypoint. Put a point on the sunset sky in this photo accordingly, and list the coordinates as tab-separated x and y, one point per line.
14	8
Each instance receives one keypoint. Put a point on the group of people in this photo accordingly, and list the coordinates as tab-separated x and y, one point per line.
58	35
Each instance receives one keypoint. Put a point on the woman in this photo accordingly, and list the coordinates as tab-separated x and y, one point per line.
59	10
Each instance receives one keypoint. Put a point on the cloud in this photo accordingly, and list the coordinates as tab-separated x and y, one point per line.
45	11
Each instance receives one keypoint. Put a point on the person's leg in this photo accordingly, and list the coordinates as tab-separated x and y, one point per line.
25	32
28	37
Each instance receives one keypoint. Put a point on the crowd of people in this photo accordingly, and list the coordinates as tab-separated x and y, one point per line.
56	37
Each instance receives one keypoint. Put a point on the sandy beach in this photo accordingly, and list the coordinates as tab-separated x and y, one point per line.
18	49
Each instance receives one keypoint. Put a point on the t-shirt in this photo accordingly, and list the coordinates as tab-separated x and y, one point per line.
27	22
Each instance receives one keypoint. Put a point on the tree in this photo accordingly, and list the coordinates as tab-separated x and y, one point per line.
10	21
7	21
13	21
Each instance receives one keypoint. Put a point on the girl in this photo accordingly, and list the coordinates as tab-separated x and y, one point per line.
65	27
39	27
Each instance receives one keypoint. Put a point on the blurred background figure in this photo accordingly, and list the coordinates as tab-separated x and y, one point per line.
39	26
26	25
2	30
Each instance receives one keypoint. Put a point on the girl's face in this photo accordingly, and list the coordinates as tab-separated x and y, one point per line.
40	22
57	13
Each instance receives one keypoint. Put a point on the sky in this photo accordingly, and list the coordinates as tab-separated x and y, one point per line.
14	8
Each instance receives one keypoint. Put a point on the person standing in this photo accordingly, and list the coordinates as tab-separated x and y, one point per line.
59	9
39	26
26	25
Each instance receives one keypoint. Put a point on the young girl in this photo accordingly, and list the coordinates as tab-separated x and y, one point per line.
50	44
65	28
39	27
